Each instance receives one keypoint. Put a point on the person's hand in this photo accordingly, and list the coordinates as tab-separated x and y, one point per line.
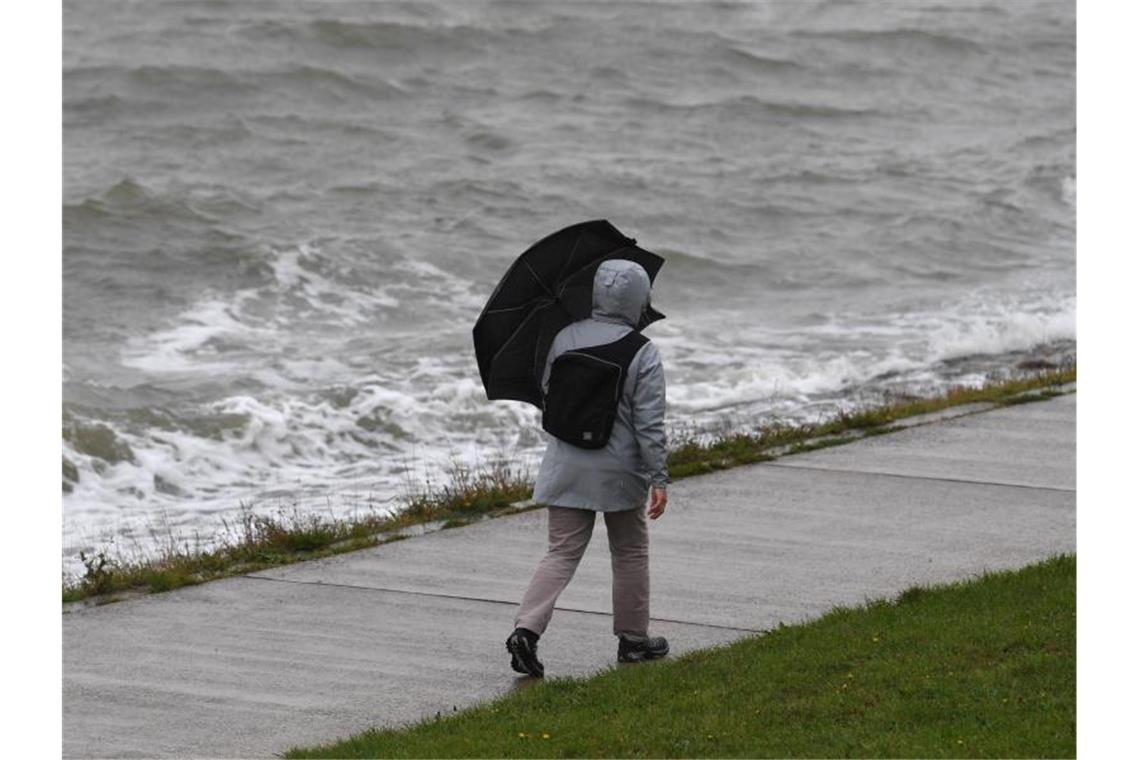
658	498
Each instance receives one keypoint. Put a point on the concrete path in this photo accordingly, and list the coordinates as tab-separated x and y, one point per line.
250	666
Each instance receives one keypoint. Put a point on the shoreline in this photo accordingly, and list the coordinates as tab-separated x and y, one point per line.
257	542
131	486
301	655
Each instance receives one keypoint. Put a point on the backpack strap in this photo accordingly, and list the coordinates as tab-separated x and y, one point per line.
620	352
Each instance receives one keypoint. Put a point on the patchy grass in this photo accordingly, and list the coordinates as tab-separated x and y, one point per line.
696	457
803	447
985	668
260	541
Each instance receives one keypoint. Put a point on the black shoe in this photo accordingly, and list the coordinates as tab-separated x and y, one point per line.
638	651
523	646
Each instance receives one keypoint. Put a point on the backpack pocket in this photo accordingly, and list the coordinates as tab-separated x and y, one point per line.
582	399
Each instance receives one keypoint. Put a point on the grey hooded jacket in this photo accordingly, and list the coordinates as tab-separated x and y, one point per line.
618	476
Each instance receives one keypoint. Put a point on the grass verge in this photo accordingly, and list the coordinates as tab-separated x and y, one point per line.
695	456
260	541
985	668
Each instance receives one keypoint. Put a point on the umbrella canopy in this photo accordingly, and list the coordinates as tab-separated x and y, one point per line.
549	286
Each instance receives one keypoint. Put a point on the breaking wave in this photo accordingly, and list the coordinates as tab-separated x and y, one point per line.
281	221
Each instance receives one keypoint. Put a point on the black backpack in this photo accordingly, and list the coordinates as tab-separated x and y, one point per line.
584	389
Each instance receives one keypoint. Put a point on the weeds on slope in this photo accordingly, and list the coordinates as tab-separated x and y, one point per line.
257	540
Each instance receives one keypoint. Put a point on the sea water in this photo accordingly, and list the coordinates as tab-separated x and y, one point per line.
281	221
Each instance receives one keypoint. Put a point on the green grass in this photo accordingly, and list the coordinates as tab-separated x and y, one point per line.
260	541
985	668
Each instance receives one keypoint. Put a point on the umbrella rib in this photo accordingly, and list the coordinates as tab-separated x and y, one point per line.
574	250
564	279
508	308
538	279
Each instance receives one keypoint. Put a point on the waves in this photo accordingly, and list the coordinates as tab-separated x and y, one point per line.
178	87
371	413
905	38
324	429
174	89
762	63
383	37
281	221
757	372
749	106
129	198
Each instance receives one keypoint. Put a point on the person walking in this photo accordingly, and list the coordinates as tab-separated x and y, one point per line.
576	483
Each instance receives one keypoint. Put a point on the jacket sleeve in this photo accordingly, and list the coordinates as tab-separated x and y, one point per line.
648	409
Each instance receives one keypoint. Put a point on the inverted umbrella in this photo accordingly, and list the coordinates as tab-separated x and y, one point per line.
549	286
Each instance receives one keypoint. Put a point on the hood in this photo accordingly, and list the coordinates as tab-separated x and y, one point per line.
621	291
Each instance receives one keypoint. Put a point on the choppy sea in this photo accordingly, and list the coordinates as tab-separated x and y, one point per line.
281	220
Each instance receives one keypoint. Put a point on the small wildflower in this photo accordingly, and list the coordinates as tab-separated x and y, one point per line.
875	638
546	736
522	735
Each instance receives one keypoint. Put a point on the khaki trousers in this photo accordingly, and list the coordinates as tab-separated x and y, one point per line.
569	534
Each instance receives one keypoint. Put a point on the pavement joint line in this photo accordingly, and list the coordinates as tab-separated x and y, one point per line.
462	598
845	471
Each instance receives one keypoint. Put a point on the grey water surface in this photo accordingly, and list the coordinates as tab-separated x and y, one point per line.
281	220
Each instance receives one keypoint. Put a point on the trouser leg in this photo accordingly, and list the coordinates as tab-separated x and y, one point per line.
629	555
569	533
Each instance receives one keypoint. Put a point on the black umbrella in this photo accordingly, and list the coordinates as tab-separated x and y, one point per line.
549	286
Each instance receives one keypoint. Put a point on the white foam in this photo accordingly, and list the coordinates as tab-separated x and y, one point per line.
748	366
235	332
412	416
423	419
190	345
345	299
1069	191
999	331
